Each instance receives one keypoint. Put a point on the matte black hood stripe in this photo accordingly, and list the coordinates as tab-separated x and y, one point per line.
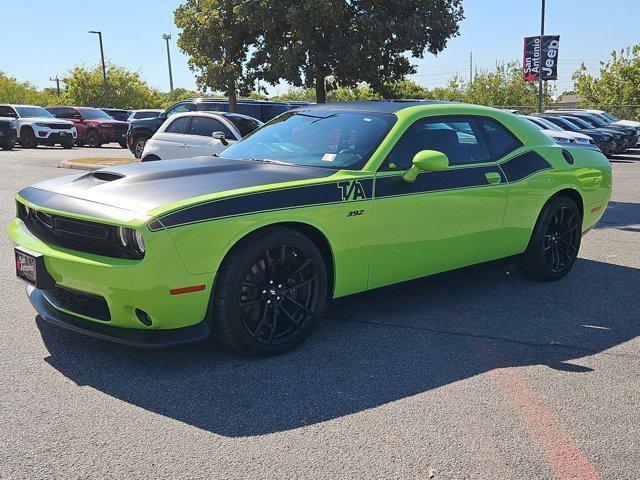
513	170
294	197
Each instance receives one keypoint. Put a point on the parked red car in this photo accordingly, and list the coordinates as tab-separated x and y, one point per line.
94	126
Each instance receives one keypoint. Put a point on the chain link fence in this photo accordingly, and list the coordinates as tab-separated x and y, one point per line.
623	112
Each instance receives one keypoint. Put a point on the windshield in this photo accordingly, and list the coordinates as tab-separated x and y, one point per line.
94	114
580	122
548	125
318	138
33	112
610	117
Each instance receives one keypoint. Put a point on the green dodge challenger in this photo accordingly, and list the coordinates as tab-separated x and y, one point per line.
322	202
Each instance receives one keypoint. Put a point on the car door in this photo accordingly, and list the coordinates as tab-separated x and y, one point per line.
444	219
172	140
199	141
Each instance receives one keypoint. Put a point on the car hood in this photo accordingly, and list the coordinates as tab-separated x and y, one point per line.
144	187
44	120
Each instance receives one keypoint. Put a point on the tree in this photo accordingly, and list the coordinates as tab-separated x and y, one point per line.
14	91
307	41
504	86
126	89
618	83
217	34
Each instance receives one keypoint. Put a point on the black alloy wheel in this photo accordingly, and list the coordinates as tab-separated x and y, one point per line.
270	292
28	139
279	295
562	239
555	241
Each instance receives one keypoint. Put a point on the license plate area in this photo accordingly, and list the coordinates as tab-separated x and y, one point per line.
30	268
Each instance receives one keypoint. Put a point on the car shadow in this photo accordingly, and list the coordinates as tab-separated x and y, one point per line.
621	215
370	349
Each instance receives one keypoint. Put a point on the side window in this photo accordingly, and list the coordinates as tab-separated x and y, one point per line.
179	125
7	111
458	138
501	141
211	107
182	108
205	126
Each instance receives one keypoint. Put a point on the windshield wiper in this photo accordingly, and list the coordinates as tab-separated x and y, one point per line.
267	160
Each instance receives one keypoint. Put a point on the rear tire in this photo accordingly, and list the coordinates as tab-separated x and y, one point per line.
270	292
555	241
28	139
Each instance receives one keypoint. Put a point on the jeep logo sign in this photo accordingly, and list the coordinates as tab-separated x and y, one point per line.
537	60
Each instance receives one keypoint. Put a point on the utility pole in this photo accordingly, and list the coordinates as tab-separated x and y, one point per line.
57	80
104	68
470	68
167	37
540	62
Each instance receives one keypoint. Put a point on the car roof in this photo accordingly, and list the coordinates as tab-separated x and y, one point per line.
374	106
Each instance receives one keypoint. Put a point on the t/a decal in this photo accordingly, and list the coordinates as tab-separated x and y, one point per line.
352	190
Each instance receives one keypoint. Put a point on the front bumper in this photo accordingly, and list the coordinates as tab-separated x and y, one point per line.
126	286
108	135
49	134
125	336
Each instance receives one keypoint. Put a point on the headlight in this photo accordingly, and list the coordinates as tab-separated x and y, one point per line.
582	140
14	124
40	124
138	241
605	138
122	234
560	139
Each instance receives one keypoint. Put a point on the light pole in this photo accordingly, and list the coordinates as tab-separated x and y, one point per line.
167	37
104	68
540	63
57	80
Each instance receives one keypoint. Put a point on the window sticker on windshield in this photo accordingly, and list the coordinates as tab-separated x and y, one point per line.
329	157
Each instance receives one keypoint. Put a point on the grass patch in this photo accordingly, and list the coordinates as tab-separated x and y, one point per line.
106	161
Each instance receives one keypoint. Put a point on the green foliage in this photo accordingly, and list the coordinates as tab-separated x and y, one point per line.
14	91
504	86
216	34
306	42
126	89
618	83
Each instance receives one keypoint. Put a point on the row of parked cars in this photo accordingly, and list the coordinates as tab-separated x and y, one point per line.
30	125
588	128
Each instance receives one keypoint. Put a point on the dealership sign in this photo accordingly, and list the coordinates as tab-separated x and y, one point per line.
533	54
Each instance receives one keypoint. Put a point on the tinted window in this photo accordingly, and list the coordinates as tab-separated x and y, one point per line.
33	112
317	137
181	108
501	141
211	107
179	125
205	126
245	125
6	111
458	138
146	114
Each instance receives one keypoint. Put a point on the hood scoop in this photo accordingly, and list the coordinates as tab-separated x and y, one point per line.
105	176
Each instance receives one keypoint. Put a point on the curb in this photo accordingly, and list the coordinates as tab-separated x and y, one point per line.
81	166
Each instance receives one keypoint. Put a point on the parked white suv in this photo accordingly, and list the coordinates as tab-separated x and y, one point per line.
149	113
36	126
192	134
563	137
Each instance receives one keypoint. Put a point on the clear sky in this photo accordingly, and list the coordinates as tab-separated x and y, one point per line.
43	38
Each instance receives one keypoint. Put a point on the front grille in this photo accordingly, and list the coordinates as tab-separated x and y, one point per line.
82	303
74	234
60	126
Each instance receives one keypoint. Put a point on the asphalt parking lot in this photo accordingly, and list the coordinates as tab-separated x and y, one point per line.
479	374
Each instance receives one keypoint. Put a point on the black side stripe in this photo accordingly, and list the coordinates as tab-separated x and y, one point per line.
520	167
303	196
513	170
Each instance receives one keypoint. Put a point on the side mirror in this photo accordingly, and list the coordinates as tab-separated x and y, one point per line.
217	135
426	161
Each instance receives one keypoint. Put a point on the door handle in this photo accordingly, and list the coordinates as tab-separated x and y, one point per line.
493	177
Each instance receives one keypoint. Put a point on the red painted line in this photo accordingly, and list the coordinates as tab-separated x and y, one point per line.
180	291
563	455
595	209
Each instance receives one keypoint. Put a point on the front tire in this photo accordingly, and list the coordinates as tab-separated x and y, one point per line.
555	241
270	292
7	146
139	144
28	139
123	144
93	139
67	145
